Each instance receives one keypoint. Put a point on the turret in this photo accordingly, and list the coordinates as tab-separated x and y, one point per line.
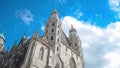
72	32
2	41
53	30
74	40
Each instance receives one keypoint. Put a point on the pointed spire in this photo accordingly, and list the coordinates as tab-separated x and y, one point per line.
24	36
72	28
54	11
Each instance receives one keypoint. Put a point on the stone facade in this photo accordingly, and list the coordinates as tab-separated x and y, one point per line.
53	50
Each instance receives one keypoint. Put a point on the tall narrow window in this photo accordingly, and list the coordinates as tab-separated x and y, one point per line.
52	30
58	32
58	40
75	44
53	24
57	48
41	53
51	37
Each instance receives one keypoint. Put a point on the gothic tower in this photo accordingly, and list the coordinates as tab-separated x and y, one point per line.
2	41
53	30
74	40
52	50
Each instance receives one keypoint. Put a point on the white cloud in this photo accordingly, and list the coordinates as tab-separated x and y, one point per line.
76	12
25	15
113	60
96	41
42	27
115	6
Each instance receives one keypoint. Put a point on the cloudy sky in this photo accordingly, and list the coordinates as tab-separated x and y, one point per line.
97	23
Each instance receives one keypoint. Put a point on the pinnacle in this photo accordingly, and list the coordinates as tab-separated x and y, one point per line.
72	28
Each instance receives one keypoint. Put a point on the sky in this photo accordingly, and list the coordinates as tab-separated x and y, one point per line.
97	23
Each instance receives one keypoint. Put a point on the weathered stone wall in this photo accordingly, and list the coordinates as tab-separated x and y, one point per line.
65	55
37	62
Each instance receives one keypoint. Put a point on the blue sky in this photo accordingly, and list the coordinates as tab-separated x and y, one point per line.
97	22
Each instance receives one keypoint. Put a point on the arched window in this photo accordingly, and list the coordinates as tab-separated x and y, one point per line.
58	40
72	63
41	53
57	48
58	32
57	65
75	44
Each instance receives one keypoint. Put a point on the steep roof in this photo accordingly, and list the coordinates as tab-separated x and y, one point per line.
64	38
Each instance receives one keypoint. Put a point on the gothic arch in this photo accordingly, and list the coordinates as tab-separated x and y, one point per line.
72	63
41	53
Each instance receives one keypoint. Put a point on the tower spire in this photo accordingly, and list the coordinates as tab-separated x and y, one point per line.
71	26
72	29
53	30
54	11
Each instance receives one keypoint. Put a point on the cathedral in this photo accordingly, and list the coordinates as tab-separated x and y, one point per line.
52	50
